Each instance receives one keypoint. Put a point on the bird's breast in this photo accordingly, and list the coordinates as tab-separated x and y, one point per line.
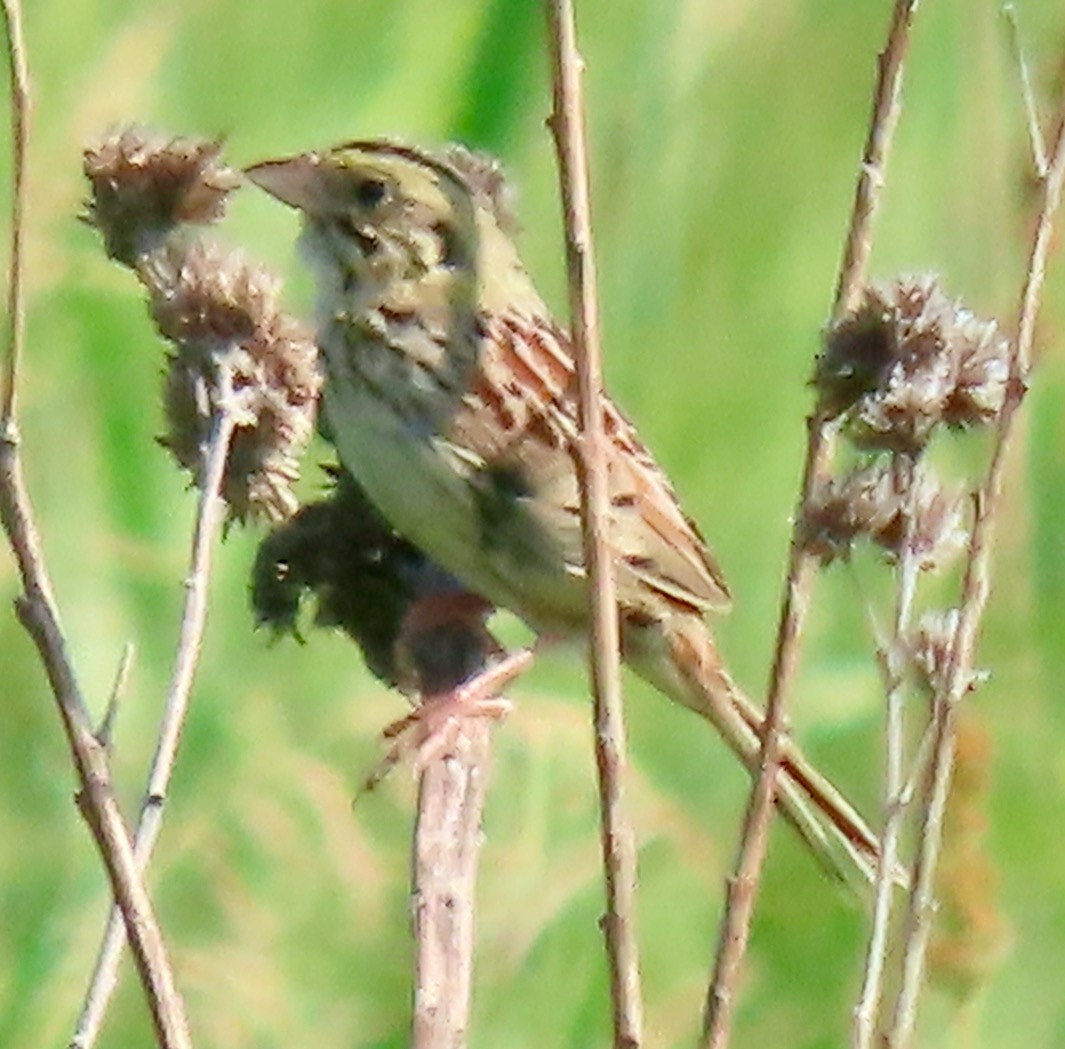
391	414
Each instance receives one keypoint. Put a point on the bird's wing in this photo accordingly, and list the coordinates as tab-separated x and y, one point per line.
519	419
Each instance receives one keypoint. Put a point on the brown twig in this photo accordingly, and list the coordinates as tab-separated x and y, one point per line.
743	887
447	835
867	1010
619	853
39	614
209	517
975	591
20	118
886	108
447	839
95	797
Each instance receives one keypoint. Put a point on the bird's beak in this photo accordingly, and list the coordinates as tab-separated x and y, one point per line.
296	181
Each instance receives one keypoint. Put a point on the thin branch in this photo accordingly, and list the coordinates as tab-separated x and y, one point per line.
95	798
919	766
975	591
619	853
743	888
885	118
1035	134
209	517
734	930
20	130
106	729
868	1008
39	614
447	840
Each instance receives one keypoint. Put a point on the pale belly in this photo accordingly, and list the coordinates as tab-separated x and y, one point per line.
427	497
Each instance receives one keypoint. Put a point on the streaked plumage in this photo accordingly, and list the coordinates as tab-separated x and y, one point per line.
450	392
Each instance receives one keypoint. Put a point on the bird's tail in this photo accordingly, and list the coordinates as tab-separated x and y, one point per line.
692	673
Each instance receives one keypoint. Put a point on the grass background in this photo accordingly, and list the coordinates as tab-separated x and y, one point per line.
725	138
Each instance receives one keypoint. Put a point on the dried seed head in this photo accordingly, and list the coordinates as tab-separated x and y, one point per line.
144	184
368	581
234	350
930	646
938	533
902	414
982	373
867	504
842	510
859	351
907	359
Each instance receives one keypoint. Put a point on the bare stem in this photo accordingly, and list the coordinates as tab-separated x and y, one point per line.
96	800
105	730
1035	134
39	614
975	591
867	1010
743	888
885	117
209	517
619	853
447	839
447	842
20	130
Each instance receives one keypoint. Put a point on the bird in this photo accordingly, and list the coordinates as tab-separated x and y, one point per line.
450	394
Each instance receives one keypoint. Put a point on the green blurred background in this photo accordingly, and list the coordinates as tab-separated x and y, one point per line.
725	137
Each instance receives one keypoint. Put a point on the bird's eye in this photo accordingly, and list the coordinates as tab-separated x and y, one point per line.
369	192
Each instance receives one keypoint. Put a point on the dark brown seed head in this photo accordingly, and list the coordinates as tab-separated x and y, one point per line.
144	184
235	350
907	359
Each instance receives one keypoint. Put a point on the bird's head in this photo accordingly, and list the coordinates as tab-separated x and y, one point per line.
376	212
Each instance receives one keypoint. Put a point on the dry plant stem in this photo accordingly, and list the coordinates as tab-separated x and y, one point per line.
734	930
105	730
882	125
919	766
39	614
209	517
977	583
867	1011
447	840
619	853
20	118
1035	135
743	887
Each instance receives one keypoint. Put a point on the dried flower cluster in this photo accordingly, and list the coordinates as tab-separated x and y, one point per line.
232	341
145	185
907	359
367	580
905	362
234	349
929	649
868	504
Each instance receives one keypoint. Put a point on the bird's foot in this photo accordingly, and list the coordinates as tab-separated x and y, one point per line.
435	729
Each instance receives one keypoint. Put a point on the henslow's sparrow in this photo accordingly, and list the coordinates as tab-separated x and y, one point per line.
450	394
